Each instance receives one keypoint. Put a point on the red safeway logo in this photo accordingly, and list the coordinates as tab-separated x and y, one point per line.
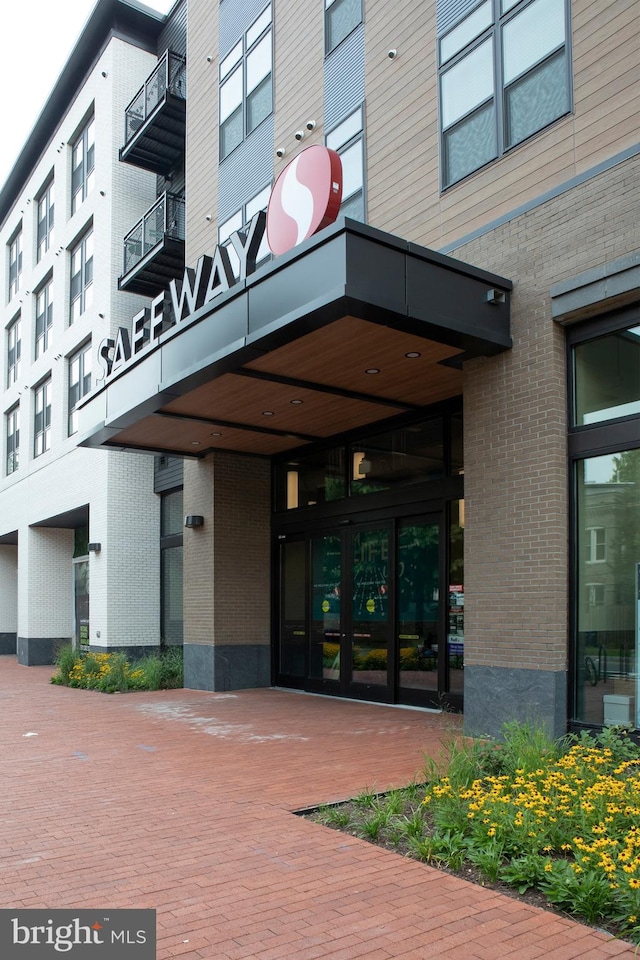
306	197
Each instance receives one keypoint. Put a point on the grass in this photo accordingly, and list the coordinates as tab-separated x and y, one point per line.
557	822
113	673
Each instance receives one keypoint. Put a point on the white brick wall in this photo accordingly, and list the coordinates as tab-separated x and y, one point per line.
117	488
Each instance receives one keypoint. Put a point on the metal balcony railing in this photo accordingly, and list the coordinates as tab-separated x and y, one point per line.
170	76
165	220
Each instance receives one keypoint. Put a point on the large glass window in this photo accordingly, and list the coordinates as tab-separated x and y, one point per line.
42	418
81	276
347	139
82	165
377	463
79	382
14	349
15	264
341	18
607	377
44	317
246	84
409	455
608	566
44	230
504	75
13	439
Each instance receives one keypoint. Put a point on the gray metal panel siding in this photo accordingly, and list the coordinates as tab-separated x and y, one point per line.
174	33
246	171
344	79
449	12
167	474
236	16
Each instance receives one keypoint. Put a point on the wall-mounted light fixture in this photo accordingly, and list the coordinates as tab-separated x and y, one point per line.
193	520
94	547
292	490
496	296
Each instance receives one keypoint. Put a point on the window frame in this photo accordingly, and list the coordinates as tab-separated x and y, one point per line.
85	292
12	441
239	221
42	337
497	100
87	164
248	44
45	237
14	272
14	343
42	433
80	387
342	146
328	4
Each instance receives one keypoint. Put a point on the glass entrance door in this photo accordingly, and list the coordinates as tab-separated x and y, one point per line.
369	577
363	612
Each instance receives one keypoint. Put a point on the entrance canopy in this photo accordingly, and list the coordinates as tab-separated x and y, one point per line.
350	328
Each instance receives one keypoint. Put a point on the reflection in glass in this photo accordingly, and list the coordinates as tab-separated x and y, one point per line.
81	596
608	556
370	606
292	624
326	624
409	455
309	480
455	634
418	604
171	513
607	381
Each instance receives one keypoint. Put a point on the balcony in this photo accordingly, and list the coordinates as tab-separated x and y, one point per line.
155	120
154	249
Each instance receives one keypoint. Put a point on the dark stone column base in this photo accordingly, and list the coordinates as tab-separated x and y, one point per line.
493	695
8	643
226	667
39	651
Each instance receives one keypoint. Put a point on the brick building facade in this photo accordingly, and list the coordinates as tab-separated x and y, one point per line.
394	434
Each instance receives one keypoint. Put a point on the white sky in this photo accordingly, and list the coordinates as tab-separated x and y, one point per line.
38	36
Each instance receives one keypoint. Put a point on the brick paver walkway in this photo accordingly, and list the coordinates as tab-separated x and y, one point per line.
182	801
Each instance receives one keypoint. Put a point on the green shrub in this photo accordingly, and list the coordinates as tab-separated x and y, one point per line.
112	672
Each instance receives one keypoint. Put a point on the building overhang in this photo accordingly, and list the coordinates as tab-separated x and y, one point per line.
348	329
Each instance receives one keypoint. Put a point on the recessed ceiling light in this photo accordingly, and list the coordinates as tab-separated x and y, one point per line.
412	355
215	433
267	413
296	402
195	443
372	370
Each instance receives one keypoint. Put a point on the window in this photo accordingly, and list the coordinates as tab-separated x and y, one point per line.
79	382
241	219
595	544
15	263
341	18
13	439
81	276
171	566
245	84
606	377
44	229
595	594
607	534
347	139
44	317
504	75
82	166
42	418
14	349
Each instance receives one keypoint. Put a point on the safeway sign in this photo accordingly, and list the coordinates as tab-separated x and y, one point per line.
306	198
